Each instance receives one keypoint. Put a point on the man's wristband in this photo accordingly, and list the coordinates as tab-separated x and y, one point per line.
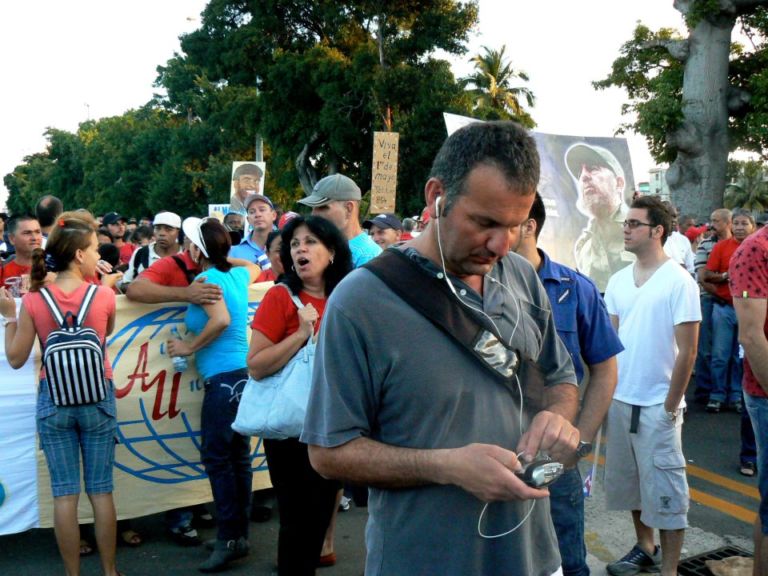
7	321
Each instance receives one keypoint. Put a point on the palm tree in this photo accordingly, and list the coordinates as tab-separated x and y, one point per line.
748	188
492	91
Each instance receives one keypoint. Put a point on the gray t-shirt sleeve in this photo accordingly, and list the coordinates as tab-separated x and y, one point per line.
343	393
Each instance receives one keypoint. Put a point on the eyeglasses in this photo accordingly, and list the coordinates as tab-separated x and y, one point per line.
632	224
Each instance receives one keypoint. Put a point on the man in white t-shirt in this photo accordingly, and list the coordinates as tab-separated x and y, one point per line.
654	305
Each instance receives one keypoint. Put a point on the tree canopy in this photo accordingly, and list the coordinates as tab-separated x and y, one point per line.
698	97
313	79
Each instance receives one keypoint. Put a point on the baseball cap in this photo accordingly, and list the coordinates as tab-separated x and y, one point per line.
191	228
247	168
253	197
167	219
384	221
582	154
330	188
112	218
695	231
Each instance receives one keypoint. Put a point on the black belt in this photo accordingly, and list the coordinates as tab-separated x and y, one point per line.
635	420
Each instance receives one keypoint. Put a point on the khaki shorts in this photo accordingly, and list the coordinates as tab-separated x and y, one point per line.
646	470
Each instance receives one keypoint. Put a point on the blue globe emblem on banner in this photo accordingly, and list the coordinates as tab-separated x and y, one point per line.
173	455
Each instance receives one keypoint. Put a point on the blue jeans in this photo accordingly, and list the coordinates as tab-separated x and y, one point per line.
704	353
726	365
748	451
226	454
758	413
566	503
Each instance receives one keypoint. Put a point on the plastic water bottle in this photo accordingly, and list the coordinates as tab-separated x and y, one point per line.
180	363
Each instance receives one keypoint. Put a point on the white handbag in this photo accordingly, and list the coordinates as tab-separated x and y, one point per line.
274	407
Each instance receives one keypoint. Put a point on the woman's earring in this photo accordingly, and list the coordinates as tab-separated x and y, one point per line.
331	259
293	268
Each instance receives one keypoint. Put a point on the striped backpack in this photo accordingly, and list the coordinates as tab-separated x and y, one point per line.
73	356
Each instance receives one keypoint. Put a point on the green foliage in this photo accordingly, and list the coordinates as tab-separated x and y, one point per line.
653	80
494	97
318	76
748	186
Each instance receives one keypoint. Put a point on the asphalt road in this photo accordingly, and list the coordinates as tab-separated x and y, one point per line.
723	506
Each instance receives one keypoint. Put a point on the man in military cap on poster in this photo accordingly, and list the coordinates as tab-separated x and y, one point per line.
599	249
246	180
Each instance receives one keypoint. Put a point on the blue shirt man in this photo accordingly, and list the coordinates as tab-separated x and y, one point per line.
261	217
584	326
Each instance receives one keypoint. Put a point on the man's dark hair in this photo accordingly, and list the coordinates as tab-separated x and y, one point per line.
658	215
141	233
332	239
104	231
504	145
13	222
538	213
48	208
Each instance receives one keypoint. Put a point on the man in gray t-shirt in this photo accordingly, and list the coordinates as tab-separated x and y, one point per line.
433	433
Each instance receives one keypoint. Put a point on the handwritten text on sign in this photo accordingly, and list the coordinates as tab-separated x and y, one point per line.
384	179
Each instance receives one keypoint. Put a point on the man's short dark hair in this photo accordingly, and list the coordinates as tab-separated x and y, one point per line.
48	208
538	213
658	215
13	222
503	144
104	231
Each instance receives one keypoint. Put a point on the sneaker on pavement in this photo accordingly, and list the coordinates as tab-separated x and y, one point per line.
185	536
714	406
636	560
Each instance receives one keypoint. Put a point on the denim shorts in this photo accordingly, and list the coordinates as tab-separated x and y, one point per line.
758	412
67	431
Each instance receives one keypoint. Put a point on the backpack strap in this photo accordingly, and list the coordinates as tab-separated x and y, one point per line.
430	297
53	306
187	272
90	295
61	319
141	260
298	303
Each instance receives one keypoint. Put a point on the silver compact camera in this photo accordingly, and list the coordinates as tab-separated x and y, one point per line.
540	473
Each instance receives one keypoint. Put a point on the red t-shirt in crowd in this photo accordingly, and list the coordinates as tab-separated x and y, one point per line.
719	260
102	307
167	272
126	251
277	316
12	270
267	276
749	279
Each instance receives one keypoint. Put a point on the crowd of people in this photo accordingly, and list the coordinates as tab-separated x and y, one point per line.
527	358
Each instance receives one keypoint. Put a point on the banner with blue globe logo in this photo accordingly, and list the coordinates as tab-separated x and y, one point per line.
157	461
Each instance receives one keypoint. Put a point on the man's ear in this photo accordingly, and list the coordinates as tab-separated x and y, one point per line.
620	184
528	228
433	190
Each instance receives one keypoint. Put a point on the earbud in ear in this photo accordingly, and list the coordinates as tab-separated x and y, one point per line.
437	207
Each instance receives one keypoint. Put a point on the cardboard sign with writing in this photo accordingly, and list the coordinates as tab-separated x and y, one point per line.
384	173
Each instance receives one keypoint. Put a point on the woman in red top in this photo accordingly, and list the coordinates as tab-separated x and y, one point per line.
315	256
66	431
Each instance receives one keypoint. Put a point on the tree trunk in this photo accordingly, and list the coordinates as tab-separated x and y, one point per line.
306	172
697	177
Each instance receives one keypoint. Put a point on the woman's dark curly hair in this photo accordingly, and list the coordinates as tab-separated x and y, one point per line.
332	239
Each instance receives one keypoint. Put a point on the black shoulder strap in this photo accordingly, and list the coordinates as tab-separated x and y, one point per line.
140	260
187	272
432	299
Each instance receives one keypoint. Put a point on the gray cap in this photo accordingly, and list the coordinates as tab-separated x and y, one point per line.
582	154
330	188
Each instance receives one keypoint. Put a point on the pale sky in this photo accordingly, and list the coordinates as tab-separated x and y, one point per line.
63	62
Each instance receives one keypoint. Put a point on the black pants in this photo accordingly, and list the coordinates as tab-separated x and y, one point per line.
305	501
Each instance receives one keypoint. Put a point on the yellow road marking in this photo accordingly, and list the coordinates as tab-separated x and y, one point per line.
732	485
723	506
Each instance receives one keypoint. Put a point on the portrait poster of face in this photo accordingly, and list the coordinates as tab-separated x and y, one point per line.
247	178
586	184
